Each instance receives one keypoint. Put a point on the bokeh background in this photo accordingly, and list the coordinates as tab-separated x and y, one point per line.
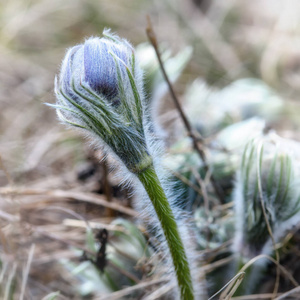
39	158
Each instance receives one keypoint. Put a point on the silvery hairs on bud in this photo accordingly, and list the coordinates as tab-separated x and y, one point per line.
271	162
100	91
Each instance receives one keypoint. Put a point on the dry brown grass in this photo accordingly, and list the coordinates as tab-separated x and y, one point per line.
40	193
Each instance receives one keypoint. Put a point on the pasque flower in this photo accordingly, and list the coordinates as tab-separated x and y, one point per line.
268	163
267	202
100	90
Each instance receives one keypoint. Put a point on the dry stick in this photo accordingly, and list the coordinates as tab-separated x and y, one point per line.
123	271
253	297
209	253
283	270
185	180
233	289
212	266
69	211
93	225
127	291
79	196
152	38
230	287
56	237
280	267
289	293
92	198
158	293
69	242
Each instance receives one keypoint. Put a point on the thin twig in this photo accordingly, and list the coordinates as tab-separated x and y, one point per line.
71	243
56	237
129	290
79	196
123	271
291	292
158	293
69	211
253	297
212	266
152	38
229	285
281	268
94	225
185	181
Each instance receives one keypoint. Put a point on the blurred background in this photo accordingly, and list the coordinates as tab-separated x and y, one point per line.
220	42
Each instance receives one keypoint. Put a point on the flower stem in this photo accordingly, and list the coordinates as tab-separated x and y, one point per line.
166	217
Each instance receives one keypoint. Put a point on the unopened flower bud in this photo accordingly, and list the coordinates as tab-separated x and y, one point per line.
99	66
100	90
268	177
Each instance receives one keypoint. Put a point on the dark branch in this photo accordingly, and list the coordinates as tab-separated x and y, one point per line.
152	38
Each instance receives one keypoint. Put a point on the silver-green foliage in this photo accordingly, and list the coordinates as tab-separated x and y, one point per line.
267	177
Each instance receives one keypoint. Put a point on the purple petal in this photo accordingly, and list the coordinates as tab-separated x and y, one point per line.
99	68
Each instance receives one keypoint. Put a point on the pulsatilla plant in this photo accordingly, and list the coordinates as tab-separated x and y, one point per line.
100	90
267	202
268	176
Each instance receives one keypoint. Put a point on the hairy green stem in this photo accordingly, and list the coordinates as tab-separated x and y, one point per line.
166	217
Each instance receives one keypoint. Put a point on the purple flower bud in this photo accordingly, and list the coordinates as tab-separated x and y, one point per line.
94	77
66	71
100	89
93	63
99	66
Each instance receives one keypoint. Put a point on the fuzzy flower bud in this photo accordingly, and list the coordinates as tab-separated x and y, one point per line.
100	90
268	164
